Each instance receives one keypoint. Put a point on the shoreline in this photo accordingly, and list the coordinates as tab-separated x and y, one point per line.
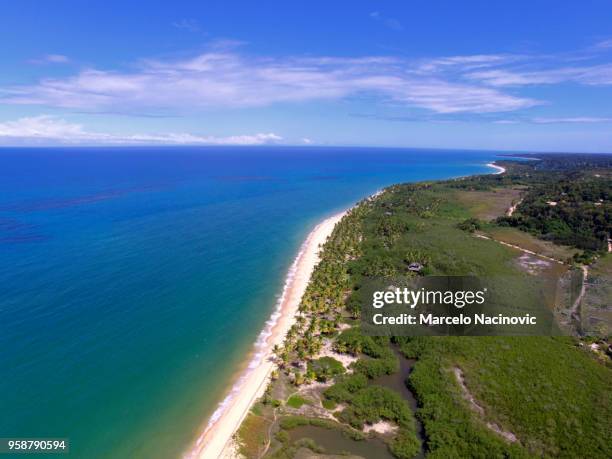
499	169
216	439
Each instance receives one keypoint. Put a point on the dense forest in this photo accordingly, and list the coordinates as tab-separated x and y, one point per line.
570	162
567	203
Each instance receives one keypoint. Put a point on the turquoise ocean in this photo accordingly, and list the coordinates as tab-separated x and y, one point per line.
135	281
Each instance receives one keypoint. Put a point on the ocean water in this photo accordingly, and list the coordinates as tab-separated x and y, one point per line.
134	281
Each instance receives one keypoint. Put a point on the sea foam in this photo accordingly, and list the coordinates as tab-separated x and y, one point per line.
260	350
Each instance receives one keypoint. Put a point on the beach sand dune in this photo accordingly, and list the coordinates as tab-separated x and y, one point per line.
216	442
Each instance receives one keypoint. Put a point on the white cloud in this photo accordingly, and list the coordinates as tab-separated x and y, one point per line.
226	79
391	23
47	128
509	78
600	74
578	119
191	25
51	59
444	97
505	122
462	64
605	44
556	120
56	58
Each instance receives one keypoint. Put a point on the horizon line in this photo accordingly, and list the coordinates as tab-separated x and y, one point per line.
297	146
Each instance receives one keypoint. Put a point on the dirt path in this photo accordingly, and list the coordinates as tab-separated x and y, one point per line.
512	208
530	252
576	305
269	441
509	436
585	273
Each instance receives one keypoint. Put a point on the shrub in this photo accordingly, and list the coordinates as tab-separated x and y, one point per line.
373	368
296	401
470	225
374	403
329	404
282	436
405	445
346	387
325	368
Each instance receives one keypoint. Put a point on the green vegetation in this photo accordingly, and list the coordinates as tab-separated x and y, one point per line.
295	401
595	308
291	422
252	435
373	368
573	211
329	404
345	387
404	445
377	358
531	242
325	368
568	201
549	393
367	403
518	397
287	449
488	204
569	162
470	225
373	403
351	341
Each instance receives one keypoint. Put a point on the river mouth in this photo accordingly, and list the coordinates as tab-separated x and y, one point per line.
333	441
397	382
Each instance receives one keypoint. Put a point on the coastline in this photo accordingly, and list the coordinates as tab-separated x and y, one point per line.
216	440
499	169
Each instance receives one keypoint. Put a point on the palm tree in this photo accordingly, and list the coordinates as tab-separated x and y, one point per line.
276	350
284	358
298	378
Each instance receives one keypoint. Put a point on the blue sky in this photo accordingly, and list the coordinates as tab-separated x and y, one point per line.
520	75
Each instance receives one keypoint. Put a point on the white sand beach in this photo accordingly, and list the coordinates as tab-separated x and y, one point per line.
216	440
500	170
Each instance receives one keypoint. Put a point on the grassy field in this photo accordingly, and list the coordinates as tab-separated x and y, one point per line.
252	437
530	242
597	304
488	205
